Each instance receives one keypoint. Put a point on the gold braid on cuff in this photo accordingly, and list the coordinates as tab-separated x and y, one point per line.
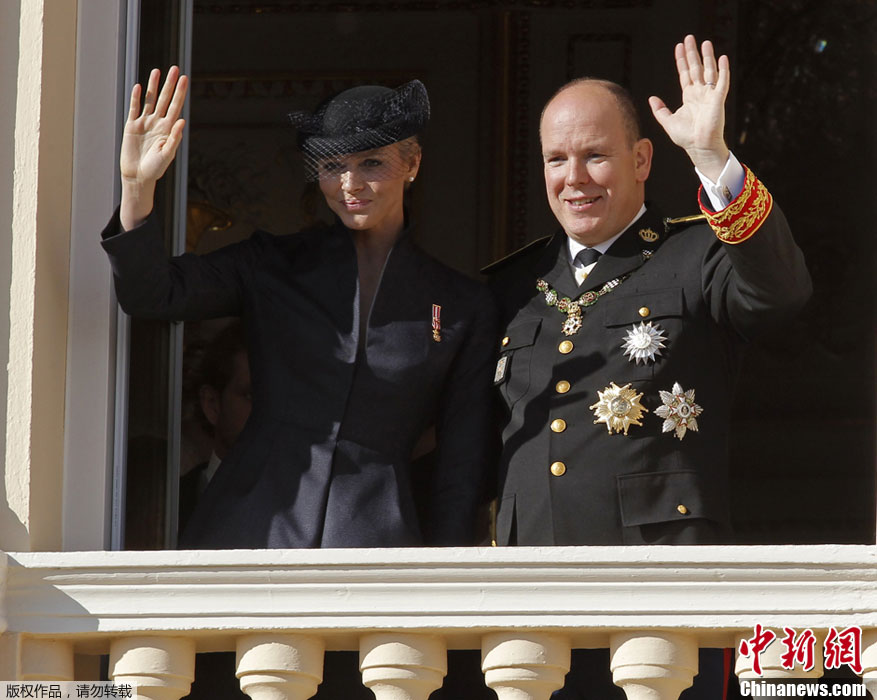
742	217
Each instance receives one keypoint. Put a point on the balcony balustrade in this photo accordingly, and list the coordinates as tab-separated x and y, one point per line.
402	609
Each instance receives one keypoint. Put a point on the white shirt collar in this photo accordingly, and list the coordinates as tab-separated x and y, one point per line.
212	466
575	247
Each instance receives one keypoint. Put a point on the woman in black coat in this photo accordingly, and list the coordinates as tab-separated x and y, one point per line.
361	346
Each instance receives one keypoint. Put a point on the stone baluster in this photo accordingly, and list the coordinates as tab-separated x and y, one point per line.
653	665
280	666
162	668
524	666
402	666
46	660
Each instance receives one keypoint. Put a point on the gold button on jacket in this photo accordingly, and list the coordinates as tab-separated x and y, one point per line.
682	509
565	347
558	425
562	386
558	468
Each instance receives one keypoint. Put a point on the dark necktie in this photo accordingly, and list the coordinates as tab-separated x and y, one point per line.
585	257
588	256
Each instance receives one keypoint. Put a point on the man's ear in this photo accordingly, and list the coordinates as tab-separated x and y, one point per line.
642	156
209	399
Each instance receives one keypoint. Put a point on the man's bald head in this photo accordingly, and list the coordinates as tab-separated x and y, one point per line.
623	100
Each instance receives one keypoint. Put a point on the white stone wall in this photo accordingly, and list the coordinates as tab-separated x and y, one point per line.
9	21
38	272
60	66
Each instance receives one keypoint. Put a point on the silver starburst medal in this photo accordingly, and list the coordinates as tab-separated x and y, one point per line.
643	343
679	410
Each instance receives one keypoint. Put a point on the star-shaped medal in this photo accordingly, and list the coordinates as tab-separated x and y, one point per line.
618	408
679	410
644	342
573	320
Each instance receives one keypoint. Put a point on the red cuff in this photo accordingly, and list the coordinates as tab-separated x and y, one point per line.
742	217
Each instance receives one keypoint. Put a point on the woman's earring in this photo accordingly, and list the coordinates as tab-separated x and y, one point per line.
411	179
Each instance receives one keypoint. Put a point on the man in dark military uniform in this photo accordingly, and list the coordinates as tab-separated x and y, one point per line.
618	387
623	335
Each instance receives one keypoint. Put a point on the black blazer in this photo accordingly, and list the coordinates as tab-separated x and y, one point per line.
324	460
647	486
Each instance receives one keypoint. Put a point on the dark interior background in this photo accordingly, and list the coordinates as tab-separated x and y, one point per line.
801	114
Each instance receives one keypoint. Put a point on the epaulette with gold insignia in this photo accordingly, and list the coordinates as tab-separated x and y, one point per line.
671	225
497	265
745	215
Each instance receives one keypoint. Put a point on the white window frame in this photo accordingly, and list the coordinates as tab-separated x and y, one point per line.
95	437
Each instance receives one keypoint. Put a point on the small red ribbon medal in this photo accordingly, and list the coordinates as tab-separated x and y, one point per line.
437	323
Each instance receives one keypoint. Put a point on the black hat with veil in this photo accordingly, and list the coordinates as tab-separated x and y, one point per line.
362	118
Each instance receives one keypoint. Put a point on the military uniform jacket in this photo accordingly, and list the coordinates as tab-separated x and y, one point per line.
325	458
564	479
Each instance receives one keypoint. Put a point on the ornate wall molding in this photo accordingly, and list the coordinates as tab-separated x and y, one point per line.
576	41
225	86
521	130
299	6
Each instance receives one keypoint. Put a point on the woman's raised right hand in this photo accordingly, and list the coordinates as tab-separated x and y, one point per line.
150	141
